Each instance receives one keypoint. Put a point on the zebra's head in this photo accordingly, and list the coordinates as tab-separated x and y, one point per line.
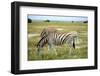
43	41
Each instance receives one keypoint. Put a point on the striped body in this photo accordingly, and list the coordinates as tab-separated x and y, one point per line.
58	38
54	39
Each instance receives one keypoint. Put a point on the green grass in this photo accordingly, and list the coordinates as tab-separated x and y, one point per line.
80	52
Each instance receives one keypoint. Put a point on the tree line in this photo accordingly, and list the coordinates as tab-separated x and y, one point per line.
30	21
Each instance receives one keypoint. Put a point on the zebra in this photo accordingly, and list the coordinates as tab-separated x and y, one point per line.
55	39
48	30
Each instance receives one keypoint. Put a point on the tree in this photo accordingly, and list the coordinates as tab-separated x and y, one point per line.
85	21
29	20
72	21
47	21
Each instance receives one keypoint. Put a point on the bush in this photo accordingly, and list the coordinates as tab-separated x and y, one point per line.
85	21
29	21
47	21
72	21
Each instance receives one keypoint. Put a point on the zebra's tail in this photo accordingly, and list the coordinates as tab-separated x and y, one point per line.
73	43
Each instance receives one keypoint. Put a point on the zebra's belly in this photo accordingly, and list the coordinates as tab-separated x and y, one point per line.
58	42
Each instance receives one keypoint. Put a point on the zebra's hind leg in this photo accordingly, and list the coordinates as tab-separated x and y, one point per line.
72	50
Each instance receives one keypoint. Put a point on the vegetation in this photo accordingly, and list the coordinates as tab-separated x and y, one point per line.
80	52
29	21
47	21
85	21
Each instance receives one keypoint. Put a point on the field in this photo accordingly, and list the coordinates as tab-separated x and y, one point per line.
34	30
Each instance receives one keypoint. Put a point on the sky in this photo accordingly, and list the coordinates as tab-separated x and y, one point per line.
58	18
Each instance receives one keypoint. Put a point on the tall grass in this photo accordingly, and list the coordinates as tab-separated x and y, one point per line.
62	51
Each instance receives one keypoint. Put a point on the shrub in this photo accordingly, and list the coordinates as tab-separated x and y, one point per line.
47	21
29	21
85	21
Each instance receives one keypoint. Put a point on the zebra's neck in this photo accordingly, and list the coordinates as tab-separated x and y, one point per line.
43	41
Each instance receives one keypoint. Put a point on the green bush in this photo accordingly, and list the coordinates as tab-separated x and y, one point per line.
47	21
29	21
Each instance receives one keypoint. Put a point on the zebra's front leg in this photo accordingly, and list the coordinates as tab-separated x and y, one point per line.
54	50
52	47
40	51
40	54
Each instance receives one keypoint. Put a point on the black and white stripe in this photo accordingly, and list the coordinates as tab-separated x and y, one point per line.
58	39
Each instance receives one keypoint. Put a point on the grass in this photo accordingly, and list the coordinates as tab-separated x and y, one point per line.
62	51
